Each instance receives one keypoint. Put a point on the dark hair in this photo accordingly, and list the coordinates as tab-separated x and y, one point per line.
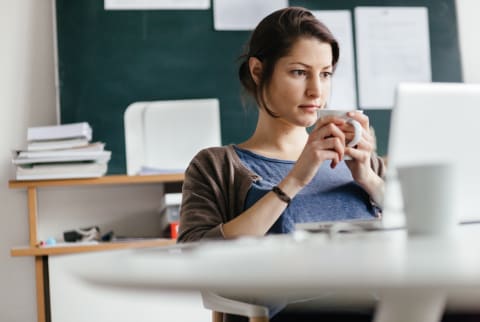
273	39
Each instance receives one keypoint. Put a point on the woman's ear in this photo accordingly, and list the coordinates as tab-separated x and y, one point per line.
255	66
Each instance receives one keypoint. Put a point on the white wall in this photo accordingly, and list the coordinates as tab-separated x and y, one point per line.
28	98
468	23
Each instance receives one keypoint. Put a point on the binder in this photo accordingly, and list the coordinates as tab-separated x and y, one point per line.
63	131
87	149
61	171
97	156
56	144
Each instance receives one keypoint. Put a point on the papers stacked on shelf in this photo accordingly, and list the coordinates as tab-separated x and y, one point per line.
61	152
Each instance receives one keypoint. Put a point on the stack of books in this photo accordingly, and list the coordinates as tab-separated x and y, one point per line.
61	152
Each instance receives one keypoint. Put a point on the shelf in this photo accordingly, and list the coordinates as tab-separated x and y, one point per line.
171	182
82	248
113	179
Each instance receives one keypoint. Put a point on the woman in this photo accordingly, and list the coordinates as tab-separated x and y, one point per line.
282	174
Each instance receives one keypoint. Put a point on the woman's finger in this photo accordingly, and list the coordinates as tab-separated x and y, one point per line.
357	154
327	131
361	118
364	145
321	122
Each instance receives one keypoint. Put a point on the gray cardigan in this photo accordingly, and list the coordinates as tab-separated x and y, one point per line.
214	192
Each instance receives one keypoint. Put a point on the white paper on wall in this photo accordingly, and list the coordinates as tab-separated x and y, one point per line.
243	14
344	94
156	4
393	45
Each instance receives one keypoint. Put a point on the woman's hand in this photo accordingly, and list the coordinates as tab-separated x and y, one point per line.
360	164
325	142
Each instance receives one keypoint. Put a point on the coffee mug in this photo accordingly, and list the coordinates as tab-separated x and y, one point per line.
429	192
358	130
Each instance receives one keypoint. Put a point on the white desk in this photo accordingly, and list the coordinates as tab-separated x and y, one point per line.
413	277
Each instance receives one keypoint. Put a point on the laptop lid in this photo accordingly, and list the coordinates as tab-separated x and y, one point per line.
437	122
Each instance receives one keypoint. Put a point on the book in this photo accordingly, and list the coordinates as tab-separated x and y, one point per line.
56	144
61	152
61	171
92	147
62	131
97	156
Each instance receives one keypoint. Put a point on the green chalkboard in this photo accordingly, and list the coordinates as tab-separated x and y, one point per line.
110	59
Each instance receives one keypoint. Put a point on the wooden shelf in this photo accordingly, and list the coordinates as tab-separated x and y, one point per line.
113	179
172	182
82	248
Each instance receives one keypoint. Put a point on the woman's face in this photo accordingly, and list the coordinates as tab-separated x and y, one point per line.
301	81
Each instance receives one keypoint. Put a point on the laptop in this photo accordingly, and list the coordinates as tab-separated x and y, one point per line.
430	122
447	115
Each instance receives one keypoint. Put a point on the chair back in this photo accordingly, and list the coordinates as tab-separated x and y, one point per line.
163	136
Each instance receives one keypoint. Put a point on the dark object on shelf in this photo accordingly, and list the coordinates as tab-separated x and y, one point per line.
82	234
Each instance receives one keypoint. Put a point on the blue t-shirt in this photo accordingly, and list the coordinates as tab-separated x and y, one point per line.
331	195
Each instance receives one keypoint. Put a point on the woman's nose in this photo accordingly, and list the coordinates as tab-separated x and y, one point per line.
314	88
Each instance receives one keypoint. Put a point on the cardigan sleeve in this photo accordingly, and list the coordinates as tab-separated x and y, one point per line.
203	206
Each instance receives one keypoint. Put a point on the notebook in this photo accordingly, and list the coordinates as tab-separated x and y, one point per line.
430	122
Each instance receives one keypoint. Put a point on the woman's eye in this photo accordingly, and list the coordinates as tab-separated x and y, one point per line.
299	72
326	75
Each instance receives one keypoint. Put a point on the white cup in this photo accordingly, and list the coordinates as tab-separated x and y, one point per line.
429	192
358	130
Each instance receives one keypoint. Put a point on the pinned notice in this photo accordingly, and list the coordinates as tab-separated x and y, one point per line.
393	46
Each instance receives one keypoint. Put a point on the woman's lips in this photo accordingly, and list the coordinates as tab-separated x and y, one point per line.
309	107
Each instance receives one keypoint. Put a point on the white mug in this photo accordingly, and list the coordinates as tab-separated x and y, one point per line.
429	192
358	130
